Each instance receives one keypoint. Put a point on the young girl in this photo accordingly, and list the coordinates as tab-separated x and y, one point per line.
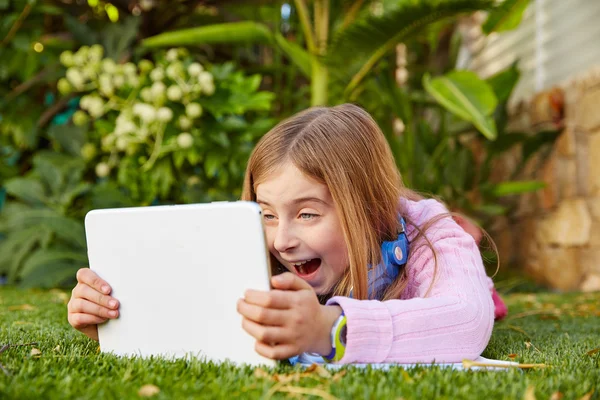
374	273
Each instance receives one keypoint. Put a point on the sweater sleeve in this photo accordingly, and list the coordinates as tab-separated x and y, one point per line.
450	323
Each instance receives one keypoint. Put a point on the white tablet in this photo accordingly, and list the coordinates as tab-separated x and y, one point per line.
178	272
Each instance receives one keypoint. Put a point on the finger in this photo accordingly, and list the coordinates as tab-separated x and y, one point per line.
277	299
289	281
81	321
90	278
277	352
261	315
262	333
88	293
87	307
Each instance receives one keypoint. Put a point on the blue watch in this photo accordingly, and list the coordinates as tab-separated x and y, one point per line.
338	339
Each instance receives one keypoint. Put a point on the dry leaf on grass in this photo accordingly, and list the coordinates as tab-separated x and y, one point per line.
60	296
588	395
22	307
148	390
57	348
470	363
22	323
529	393
513	356
592	352
36	352
556	396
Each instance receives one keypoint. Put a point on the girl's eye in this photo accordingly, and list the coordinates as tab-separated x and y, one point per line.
308	216
268	217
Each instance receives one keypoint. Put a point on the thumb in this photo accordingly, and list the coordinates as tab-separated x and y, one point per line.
289	281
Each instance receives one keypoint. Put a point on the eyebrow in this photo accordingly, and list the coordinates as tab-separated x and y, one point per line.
298	201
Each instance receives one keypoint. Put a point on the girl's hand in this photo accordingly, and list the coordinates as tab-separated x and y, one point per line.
90	303
289	320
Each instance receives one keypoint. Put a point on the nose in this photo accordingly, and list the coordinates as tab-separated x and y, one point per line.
285	239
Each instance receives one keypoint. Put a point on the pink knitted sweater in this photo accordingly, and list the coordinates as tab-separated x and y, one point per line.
453	322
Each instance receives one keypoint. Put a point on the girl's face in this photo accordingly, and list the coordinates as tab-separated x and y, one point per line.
302	227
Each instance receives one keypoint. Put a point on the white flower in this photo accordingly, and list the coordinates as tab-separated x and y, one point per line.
146	95
157	74
146	112
63	86
129	69
124	125
175	70
102	169
105	85
193	180
75	78
145	65
107	142
184	122
118	81
399	126
95	52
108	66
164	114
157	89
206	82
172	55
93	104
174	93
121	143
66	58
193	110
194	69
185	140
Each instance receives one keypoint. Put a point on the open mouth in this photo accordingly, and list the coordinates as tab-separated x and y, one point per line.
307	268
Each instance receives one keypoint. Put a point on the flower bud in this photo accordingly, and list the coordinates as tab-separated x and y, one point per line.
66	58
172	55
184	122
145	66
118	81
164	114
88	151
175	70
146	112
75	78
158	89
108	66
194	69
102	169
121	143
105	85
129	69
206	82
157	74
174	93
63	86
185	140
146	95
80	118
193	110
96	52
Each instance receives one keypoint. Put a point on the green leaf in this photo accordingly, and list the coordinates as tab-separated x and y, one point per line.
516	187
492	209
70	137
28	190
467	96
373	36
300	57
504	82
43	257
81	32
52	274
227	33
505	17
212	163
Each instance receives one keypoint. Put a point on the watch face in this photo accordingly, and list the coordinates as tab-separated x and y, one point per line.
343	333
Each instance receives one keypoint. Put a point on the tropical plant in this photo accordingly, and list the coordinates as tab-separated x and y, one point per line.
342	40
45	239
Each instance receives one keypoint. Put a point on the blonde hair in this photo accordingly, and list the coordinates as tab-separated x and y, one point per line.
343	148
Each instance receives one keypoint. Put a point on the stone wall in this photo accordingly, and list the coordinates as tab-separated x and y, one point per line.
554	234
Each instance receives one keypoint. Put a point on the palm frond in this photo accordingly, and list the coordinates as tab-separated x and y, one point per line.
373	36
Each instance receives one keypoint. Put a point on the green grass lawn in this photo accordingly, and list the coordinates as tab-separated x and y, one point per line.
559	330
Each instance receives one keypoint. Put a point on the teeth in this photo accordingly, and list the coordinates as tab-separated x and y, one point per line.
297	264
301	270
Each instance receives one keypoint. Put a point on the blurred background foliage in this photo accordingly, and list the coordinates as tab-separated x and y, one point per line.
144	102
